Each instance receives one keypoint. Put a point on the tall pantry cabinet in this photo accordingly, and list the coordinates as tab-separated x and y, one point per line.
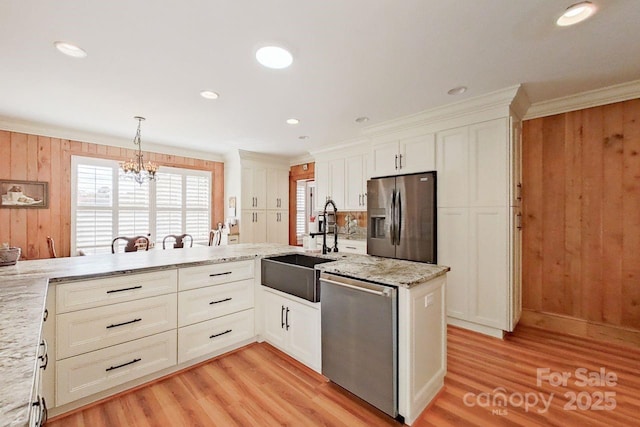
477	160
260	185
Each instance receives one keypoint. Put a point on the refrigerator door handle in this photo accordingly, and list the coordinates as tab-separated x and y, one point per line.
398	218
392	226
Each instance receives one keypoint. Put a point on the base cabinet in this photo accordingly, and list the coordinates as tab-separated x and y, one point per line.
90	373
213	335
293	325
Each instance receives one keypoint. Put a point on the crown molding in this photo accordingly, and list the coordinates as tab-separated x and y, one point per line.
262	157
593	98
306	158
342	145
471	106
34	128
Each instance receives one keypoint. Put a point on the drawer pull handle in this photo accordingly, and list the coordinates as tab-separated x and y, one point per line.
124	289
219	274
218	302
45	316
115	325
221	333
44	357
111	368
351	247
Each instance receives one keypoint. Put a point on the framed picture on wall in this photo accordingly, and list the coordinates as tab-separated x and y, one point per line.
24	194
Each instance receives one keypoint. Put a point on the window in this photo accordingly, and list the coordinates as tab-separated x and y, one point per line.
304	203
106	205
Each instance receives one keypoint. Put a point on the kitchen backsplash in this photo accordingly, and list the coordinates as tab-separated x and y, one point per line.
358	224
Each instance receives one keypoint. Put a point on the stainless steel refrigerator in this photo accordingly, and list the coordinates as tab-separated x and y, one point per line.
401	214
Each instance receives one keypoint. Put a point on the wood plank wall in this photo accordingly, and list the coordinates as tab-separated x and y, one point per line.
296	173
581	210
40	158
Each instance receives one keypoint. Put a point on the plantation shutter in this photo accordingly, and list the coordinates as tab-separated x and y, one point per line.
94	208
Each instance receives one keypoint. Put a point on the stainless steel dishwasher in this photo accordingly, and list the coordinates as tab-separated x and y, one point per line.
360	339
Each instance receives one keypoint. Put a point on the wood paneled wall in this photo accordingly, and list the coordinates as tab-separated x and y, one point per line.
581	210
40	158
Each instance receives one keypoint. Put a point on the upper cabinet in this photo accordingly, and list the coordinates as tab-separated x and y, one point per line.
277	188
472	165
261	185
254	187
404	156
356	171
341	175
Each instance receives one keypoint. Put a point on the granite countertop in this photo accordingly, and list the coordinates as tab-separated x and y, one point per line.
23	290
385	271
21	308
91	266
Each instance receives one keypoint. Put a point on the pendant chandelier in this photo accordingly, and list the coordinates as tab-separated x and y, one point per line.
137	169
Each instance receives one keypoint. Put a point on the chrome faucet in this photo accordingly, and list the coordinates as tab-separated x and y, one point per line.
325	248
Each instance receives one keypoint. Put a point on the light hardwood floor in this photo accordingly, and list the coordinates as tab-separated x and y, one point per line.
260	386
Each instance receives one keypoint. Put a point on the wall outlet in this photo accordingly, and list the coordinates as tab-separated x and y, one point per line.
428	300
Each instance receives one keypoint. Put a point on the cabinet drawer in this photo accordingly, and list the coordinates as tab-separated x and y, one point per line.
353	246
90	373
114	289
214	274
87	330
213	335
201	304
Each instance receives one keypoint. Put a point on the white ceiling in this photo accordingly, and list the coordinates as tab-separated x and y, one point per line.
377	58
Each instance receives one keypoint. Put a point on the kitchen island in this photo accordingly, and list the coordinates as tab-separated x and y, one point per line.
71	277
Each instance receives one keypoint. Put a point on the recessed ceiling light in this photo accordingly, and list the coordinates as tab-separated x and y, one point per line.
303	137
457	90
274	57
293	121
576	13
362	119
70	49
208	94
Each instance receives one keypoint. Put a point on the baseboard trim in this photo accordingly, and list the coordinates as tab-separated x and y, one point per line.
486	330
580	327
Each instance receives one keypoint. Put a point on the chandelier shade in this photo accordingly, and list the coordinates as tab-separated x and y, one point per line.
137	169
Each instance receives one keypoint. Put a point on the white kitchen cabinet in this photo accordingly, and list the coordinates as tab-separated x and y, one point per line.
254	226
489	163
453	168
278	227
356	176
92	293
475	236
453	251
330	183
90	373
264	187
92	329
404	156
293	325
473	165
277	189
211	336
254	187
336	181
352	246
322	184
215	274
217	317
198	305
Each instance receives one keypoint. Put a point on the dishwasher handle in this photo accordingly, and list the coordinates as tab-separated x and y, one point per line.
385	292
